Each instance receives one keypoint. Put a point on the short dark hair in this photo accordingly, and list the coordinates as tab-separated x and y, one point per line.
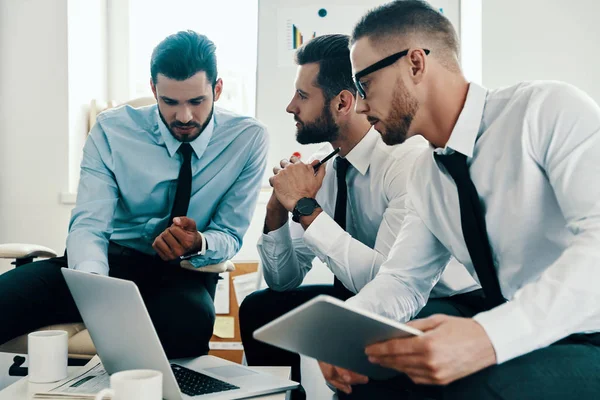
405	17
332	54
182	55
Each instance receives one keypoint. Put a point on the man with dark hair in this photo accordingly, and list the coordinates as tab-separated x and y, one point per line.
510	189
162	187
357	201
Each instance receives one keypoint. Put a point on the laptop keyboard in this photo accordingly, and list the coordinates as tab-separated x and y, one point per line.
194	383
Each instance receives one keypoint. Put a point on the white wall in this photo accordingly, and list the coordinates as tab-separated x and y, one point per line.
542	39
52	63
33	121
87	55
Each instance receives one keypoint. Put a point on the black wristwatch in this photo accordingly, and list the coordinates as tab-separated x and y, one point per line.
305	206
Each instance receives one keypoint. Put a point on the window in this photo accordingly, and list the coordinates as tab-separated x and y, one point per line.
231	24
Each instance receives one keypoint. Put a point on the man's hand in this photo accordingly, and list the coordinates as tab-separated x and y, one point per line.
285	162
179	239
296	181
274	206
277	215
450	349
341	378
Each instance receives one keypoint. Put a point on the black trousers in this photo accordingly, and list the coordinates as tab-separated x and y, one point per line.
180	302
568	369
264	306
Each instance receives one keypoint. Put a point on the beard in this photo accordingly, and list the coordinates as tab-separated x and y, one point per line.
193	134
322	129
397	126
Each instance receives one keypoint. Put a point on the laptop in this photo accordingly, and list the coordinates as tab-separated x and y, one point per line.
119	324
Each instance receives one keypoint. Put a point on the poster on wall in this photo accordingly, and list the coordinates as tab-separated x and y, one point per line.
297	25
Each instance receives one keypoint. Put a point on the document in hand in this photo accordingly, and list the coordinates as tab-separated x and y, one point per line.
329	330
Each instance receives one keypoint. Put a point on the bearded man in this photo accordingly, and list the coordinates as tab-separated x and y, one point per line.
347	213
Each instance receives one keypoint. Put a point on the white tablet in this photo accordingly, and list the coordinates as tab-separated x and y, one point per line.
329	330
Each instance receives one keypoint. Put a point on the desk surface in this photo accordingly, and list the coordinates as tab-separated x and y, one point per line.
24	390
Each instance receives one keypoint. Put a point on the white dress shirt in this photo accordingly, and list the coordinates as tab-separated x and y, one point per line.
534	157
376	182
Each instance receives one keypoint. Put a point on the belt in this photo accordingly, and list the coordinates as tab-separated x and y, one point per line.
118	250
153	261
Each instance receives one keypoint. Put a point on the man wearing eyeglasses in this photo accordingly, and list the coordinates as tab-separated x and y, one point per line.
354	204
510	189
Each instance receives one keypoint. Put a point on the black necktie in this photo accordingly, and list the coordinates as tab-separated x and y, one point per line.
341	167
473	227
184	184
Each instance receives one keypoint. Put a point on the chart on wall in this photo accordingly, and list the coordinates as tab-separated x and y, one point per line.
298	25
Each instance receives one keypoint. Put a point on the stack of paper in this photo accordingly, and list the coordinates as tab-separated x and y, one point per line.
92	379
58	396
222	294
70	396
244	285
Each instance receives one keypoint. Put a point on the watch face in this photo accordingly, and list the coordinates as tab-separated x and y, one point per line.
306	206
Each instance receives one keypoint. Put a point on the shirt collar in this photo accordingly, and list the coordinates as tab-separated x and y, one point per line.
360	155
199	144
465	131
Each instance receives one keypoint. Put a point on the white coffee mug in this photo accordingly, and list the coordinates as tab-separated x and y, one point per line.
136	384
48	353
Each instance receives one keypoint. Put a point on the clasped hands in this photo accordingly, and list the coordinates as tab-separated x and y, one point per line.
179	239
294	179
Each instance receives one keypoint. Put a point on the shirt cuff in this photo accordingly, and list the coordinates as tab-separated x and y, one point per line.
323	234
203	251
510	331
193	256
92	267
279	237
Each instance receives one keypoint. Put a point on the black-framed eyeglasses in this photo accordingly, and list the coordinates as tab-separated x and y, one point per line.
386	62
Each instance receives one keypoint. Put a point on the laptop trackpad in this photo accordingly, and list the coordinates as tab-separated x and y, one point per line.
230	371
